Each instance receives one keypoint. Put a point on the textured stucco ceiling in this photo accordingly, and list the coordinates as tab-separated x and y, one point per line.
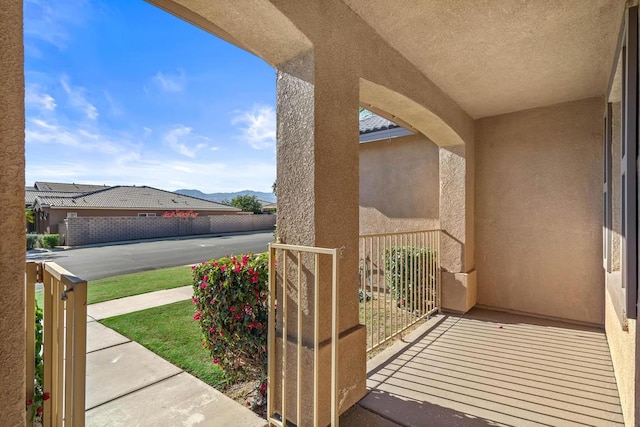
499	56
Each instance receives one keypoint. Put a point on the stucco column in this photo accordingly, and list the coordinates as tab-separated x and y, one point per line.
318	205
12	243
459	286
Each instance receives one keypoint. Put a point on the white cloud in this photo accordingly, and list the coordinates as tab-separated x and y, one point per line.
184	141
258	126
78	100
39	131
169	174
50	21
168	82
38	99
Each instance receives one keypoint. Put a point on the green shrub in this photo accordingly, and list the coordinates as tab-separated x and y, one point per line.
32	240
50	240
36	403
405	271
231	298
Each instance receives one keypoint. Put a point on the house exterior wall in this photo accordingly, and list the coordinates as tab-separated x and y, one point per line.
622	344
12	252
89	230
399	185
539	211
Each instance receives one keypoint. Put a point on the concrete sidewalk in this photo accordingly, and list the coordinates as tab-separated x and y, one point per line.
128	385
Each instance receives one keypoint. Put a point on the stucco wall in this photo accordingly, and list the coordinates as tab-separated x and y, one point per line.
399	185
89	230
539	211
622	346
12	253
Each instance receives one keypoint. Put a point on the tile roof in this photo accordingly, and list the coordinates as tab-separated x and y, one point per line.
370	122
67	188
131	197
30	194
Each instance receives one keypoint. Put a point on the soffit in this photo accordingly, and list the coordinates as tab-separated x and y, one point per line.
496	57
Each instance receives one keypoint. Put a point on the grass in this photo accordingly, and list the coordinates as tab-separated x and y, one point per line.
138	283
170	332
133	284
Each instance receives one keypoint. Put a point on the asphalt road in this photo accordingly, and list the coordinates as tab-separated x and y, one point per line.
107	260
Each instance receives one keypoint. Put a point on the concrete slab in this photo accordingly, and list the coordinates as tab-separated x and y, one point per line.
489	368
181	400
126	305
116	371
99	337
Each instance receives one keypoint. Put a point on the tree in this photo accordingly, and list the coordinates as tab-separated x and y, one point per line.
247	204
29	215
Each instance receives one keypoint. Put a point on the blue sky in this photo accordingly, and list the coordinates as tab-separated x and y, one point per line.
121	92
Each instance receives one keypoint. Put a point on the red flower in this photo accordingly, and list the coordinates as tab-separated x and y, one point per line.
46	395
205	278
259	325
238	268
39	410
29	402
233	308
251	326
255	279
223	267
204	285
233	260
195	300
212	330
196	316
193	267
245	259
216	360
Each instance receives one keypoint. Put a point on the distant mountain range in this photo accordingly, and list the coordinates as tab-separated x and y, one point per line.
219	197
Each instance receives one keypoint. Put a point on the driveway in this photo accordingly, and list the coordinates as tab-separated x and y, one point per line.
96	262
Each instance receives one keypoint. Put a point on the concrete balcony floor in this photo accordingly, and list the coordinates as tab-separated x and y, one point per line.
489	368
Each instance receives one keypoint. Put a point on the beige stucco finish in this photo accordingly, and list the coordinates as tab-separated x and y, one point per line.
317	108
12	243
498	57
399	185
539	211
622	345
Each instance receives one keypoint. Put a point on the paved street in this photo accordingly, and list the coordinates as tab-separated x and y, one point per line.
92	263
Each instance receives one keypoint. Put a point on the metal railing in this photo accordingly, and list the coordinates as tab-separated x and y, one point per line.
399	282
282	253
64	343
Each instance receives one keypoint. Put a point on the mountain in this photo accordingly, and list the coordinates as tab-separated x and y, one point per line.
219	197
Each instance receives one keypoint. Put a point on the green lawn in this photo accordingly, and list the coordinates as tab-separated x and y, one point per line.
138	283
171	333
134	284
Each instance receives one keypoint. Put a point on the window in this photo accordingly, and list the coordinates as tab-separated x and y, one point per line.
147	214
620	183
72	214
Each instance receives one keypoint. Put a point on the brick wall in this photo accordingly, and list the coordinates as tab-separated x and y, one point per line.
89	230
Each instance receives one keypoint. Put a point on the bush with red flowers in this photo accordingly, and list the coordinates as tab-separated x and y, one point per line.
230	295
180	214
